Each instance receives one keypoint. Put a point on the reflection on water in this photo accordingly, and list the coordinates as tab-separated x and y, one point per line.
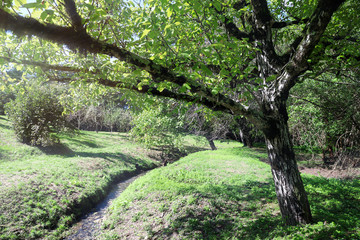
90	224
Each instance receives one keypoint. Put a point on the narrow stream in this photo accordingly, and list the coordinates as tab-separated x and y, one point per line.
90	224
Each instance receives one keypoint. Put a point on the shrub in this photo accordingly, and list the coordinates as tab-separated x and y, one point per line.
37	116
155	129
5	98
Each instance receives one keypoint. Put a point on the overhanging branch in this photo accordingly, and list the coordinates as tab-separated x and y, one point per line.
42	65
313	33
286	24
146	89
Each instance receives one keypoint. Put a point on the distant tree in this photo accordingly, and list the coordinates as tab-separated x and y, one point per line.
327	118
156	128
7	92
204	122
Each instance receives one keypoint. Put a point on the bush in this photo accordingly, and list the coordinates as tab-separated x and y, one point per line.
37	116
122	119
157	130
5	98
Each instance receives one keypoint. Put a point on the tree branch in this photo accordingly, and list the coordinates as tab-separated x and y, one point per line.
42	65
285	24
313	32
73	14
234	31
146	89
262	22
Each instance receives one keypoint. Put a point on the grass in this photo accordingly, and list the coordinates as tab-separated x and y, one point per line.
227	194
43	190
223	194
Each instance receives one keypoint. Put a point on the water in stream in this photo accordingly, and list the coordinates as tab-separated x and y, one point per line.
90	224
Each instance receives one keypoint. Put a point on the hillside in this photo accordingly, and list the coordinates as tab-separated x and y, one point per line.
227	194
43	190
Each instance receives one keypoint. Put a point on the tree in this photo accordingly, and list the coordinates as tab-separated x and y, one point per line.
204	122
324	115
239	57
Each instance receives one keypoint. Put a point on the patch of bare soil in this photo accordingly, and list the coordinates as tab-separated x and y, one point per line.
350	173
7	180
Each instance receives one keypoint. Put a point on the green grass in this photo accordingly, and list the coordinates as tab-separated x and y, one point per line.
224	194
227	194
43	190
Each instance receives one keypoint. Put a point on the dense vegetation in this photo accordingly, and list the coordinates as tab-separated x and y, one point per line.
37	115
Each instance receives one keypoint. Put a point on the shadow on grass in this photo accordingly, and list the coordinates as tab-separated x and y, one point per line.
112	157
5	126
82	142
57	149
243	212
60	149
334	200
224	212
2	117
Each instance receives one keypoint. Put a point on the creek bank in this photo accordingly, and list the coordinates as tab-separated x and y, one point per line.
86	206
90	224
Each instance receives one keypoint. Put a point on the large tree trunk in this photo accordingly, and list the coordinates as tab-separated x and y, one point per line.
290	191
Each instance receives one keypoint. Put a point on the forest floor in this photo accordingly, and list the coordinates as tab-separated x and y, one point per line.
329	172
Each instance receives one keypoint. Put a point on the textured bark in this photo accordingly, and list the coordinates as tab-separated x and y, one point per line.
290	191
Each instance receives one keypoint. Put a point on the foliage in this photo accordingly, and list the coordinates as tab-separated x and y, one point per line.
239	57
119	119
5	97
154	128
7	90
327	119
36	116
103	112
44	190
204	122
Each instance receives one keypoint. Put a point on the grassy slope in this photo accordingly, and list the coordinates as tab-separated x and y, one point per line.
42	190
227	194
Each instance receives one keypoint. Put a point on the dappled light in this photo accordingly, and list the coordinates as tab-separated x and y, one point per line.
247	113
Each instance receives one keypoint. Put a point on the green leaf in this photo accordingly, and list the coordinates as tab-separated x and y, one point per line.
32	5
46	13
206	70
184	88
217	45
169	12
137	72
145	32
217	5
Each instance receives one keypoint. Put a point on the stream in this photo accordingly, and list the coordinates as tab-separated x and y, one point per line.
90	224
